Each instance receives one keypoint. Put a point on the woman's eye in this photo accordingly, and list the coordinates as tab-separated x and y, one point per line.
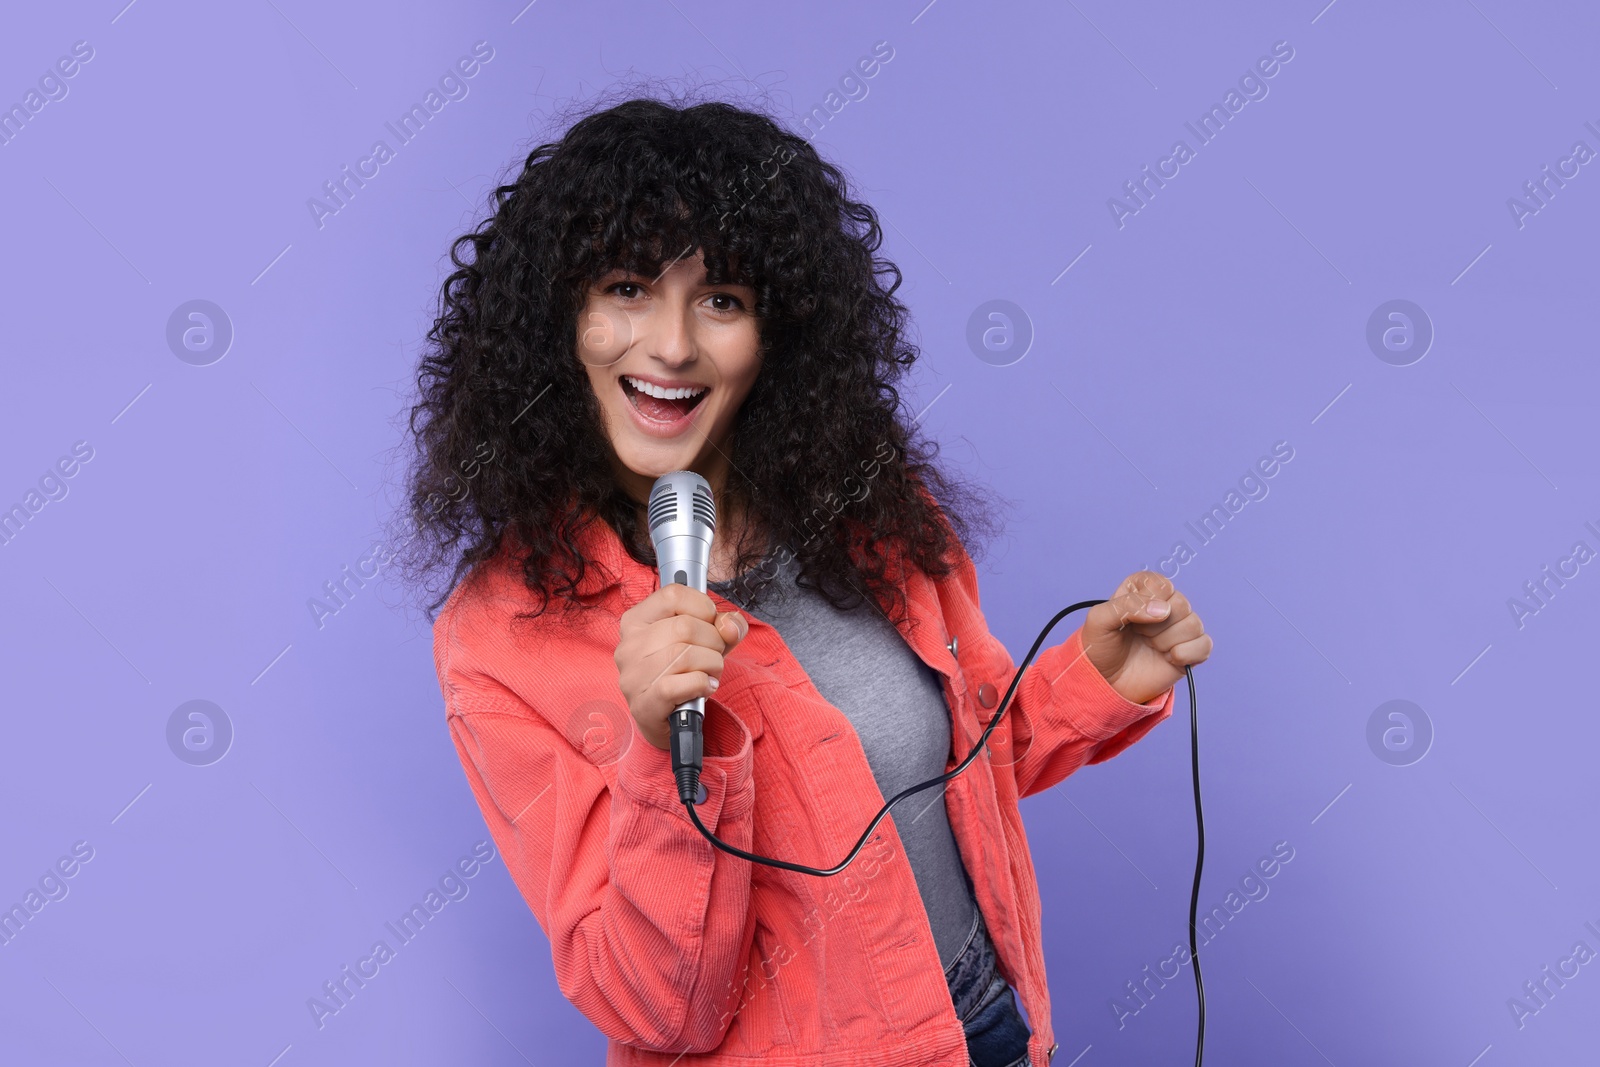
725	302
626	290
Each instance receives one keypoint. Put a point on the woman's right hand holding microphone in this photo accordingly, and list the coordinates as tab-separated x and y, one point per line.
671	649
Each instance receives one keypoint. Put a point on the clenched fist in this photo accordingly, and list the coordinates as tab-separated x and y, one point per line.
670	651
1141	639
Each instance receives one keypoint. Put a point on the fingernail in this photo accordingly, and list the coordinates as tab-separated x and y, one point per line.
1158	608
714	683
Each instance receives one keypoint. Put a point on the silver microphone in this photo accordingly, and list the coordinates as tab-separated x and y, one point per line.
683	521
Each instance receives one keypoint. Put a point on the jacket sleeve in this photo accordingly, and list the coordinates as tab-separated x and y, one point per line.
1064	713
648	922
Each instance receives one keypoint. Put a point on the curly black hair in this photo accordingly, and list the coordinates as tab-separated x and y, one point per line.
507	430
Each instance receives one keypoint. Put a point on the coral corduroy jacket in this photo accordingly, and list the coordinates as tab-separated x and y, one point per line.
683	954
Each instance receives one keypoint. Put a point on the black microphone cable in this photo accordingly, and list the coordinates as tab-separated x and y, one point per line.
1005	702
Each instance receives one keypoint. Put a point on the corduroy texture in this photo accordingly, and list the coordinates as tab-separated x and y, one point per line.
683	954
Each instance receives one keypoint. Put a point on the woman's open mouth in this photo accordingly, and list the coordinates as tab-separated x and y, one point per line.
662	411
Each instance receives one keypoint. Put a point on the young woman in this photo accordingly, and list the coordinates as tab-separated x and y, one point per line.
672	288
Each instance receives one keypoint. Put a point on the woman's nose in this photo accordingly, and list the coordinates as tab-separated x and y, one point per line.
670	336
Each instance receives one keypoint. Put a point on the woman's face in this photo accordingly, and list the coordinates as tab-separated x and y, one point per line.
697	343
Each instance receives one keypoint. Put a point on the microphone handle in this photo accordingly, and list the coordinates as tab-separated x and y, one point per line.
688	751
683	554
687	741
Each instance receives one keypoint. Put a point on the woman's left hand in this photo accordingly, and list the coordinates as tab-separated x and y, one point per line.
1141	639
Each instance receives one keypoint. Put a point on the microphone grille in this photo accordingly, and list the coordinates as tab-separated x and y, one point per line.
682	496
704	508
663	503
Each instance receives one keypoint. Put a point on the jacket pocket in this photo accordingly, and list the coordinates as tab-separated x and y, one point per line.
763	1020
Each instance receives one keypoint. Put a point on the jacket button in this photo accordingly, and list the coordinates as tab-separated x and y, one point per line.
955	643
987	695
1052	1053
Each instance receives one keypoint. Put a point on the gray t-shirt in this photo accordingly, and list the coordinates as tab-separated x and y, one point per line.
861	665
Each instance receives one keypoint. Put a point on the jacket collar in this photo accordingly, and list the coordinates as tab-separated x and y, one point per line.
606	561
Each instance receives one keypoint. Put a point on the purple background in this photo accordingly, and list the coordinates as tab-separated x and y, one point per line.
1228	314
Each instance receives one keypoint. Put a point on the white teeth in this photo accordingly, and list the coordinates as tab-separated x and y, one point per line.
664	394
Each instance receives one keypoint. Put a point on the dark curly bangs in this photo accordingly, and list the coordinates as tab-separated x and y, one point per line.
824	464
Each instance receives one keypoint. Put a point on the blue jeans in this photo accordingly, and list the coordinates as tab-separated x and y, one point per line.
997	1035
